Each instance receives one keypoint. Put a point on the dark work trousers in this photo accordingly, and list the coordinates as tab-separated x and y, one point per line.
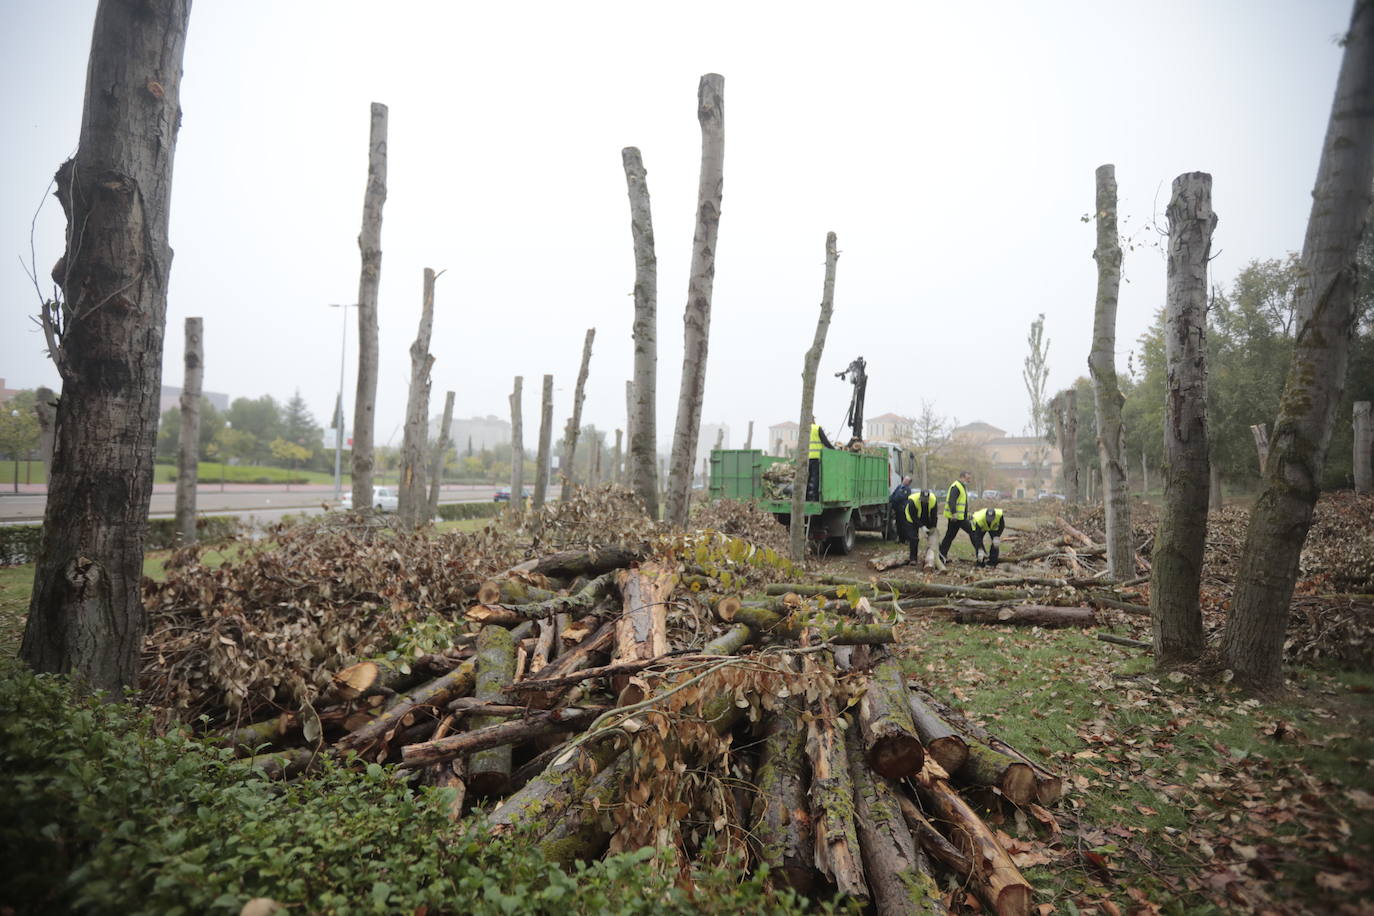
813	479
978	544
952	529
906	531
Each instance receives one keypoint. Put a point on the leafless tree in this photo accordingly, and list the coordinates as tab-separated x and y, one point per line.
810	365
517	451
697	318
105	335
188	451
413	499
436	467
1252	646
541	478
369	282
643	390
574	426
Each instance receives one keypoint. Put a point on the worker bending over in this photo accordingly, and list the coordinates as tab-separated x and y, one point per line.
956	511
920	521
991	522
813	464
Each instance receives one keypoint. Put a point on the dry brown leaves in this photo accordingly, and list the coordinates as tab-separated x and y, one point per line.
593	517
266	630
743	520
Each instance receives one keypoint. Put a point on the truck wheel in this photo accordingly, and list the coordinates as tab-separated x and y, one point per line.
844	544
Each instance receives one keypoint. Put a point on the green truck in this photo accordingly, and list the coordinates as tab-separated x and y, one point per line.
854	490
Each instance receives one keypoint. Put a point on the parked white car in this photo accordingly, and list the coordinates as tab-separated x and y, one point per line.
384	499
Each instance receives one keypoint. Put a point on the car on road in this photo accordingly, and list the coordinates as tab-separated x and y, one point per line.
502	495
384	499
1058	496
992	494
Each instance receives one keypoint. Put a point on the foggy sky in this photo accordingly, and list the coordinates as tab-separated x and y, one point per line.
951	149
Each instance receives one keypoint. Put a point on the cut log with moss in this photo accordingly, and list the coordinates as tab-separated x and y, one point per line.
568	564
1030	615
499	734
589	653
995	878
781	832
831	799
488	771
436	693
511	591
889	736
899	875
641	631
986	767
940	739
772	625
583	602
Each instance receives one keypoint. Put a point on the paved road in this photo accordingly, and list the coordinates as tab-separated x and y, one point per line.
250	502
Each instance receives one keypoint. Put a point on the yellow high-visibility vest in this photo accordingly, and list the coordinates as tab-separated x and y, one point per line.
957	508
815	450
914	502
986	519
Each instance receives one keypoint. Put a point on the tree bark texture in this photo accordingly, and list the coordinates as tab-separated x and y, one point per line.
810	366
413	499
781	822
517	452
86	613
617	475
1176	573
1260	432
898	873
1216	499
436	467
643	431
1066	432
489	770
541	470
889	736
188	451
369	282
836	846
1107	397
1364	446
697	317
45	410
941	741
1325	321
574	427
626	469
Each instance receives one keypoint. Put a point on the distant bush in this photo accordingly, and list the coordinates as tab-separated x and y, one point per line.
452	512
19	543
211	472
99	815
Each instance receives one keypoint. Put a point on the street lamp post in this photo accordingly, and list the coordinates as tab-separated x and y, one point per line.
338	406
15	415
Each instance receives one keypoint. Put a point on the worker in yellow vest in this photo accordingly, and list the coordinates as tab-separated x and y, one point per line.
921	520
956	513
991	522
818	441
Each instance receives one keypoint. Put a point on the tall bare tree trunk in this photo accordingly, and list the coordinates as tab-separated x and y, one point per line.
85	612
574	427
541	473
188	452
1364	445
1325	321
697	318
369	282
626	476
616	471
749	439
643	431
413	498
1260	432
1107	397
810	365
436	467
517	452
1215	498
1176	576
1074	486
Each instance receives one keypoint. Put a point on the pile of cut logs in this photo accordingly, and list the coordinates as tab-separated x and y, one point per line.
607	702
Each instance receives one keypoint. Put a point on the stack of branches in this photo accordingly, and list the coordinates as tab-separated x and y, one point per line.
742	520
583	518
638	700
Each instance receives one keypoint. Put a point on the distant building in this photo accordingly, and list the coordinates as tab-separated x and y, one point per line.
976	432
1012	460
7	393
890	428
481	432
782	438
171	397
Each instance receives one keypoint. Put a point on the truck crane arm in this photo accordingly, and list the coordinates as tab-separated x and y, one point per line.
859	378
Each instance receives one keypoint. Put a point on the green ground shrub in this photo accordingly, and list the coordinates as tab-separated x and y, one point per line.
100	815
452	512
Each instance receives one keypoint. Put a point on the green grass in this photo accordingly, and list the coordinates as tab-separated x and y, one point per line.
210	472
29	472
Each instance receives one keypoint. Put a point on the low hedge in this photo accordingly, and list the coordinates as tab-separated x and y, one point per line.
19	543
99	814
452	512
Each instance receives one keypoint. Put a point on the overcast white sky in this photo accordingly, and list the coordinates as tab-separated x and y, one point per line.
951	146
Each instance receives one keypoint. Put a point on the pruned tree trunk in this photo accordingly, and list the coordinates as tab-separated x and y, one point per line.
369	282
436	466
889	737
836	854
697	318
749	439
1324	323
1010	776
641	631
810	366
643	390
1107	396
941	741
781	824
489	770
1065	409
516	508
1215	498
413	498
188	452
1176	575
1364	447
541	469
574	427
1260	432
86	613
617	475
